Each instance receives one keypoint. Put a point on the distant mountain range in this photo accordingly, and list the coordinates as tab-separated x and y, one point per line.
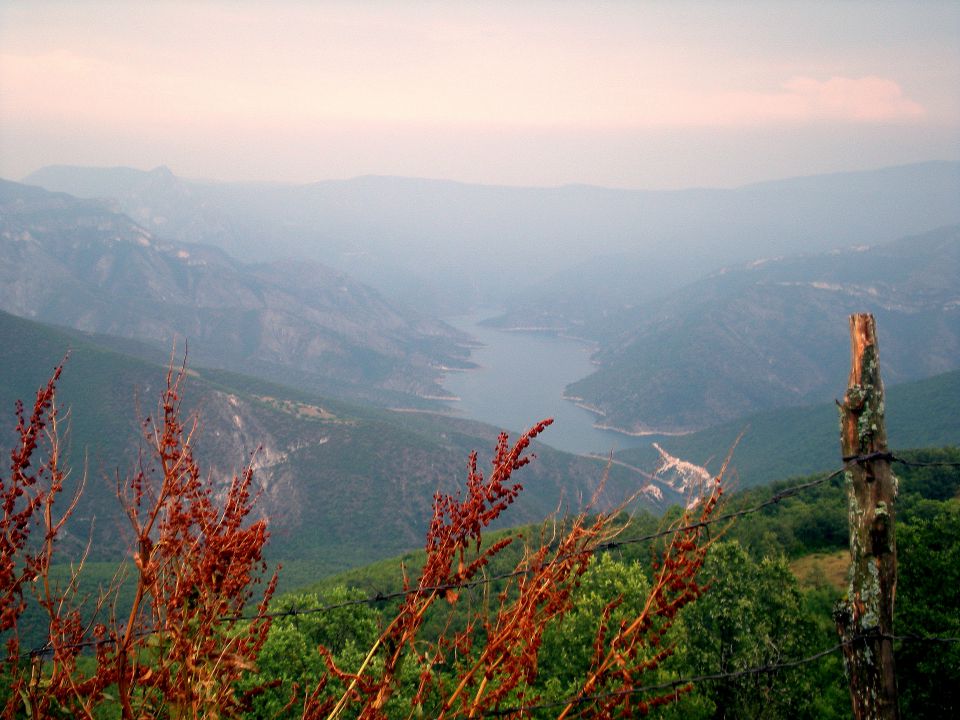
681	345
78	263
773	333
445	246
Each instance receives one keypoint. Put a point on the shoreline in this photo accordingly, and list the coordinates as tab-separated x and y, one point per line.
644	433
443	413
440	398
581	403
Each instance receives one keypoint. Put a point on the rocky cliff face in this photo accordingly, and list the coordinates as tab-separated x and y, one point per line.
78	263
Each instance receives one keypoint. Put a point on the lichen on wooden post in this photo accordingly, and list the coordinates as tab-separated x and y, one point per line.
865	616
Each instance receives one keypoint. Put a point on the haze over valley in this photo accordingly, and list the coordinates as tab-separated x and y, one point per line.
463	360
354	399
445	247
691	320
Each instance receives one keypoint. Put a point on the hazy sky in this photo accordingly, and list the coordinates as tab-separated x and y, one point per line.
630	94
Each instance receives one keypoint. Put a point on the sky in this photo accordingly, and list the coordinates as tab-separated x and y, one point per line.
630	94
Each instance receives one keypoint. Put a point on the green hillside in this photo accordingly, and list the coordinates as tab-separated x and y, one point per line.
796	441
772	333
774	577
342	485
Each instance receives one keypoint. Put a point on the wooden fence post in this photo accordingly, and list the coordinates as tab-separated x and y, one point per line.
865	616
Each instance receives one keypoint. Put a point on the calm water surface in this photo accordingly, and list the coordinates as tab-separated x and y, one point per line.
521	380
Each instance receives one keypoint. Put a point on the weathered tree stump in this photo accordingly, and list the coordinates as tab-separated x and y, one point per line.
865	616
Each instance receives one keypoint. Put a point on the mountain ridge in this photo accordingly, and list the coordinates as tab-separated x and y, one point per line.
77	262
448	246
43	174
749	337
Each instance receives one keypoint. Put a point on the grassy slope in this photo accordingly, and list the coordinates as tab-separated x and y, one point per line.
798	441
810	528
346	488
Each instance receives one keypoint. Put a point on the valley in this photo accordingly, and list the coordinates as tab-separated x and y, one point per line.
325	468
356	406
401	359
357	414
654	280
349	392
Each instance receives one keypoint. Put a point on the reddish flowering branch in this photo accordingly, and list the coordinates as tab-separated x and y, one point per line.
494	657
454	557
197	559
22	497
182	648
638	646
28	530
507	660
505	666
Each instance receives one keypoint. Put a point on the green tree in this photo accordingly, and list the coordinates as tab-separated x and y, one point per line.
291	653
568	645
754	615
928	604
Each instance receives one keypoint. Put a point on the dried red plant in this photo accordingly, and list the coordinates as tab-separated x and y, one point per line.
184	644
506	660
495	655
456	528
197	559
22	496
613	683
28	495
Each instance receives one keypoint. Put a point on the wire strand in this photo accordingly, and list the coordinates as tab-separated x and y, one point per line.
382	597
694	679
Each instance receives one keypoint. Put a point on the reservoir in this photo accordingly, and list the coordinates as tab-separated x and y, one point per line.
520	380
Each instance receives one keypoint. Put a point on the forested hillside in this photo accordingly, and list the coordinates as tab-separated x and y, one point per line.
722	607
770	334
597	613
757	638
327	469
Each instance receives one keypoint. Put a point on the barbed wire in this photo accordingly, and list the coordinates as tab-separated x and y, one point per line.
383	597
709	677
679	682
776	498
931	463
729	675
